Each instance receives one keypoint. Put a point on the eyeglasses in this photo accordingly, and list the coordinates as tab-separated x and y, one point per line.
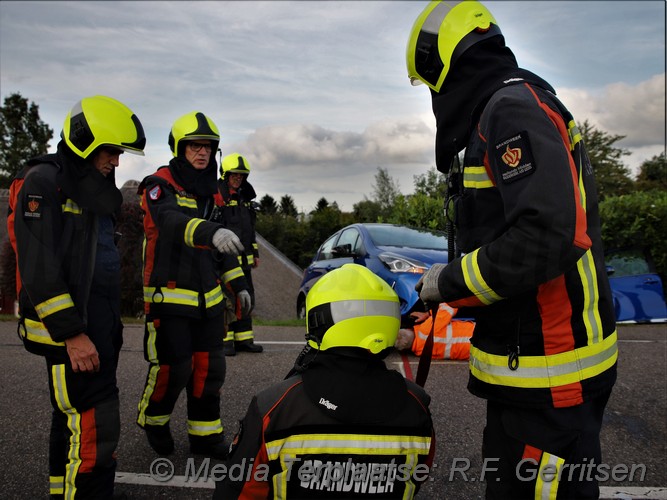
196	147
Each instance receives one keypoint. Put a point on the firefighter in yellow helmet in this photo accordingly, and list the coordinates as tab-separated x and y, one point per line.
62	211
235	210
338	406
532	273
184	303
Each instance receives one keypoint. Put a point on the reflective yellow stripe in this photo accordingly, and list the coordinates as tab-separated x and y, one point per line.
73	424
474	280
241	336
56	485
574	133
184	201
182	296
349	443
157	419
151	380
476	178
550	467
151	349
53	305
232	274
542	372
189	236
203	428
35	331
589	283
214	297
71	207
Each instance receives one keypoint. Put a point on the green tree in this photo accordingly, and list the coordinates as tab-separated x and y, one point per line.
322	205
611	175
367	211
432	183
637	220
653	174
267	205
385	191
287	206
23	135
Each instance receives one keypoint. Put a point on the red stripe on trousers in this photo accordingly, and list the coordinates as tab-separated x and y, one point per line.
200	372
88	446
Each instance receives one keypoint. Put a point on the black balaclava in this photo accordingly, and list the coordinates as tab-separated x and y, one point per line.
199	182
81	182
478	73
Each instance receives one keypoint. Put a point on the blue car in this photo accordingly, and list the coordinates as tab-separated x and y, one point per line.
398	254
635	287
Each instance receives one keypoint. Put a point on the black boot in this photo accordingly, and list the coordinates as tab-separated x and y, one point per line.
248	346
213	446
228	347
159	437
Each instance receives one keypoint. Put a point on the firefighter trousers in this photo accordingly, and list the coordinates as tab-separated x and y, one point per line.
543	453
85	423
241	329
183	353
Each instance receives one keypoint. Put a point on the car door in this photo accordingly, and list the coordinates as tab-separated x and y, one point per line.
637	291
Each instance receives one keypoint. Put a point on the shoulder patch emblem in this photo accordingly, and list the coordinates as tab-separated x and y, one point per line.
155	193
34	206
514	157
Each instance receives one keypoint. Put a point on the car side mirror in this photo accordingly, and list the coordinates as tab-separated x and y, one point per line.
342	250
610	270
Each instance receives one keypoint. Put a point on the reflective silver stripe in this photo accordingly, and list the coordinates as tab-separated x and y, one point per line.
180	296
474	280
591	312
349	443
346	309
213	297
202	428
240	336
476	178
35	331
232	274
73	424
545	371
53	305
189	236
71	207
157	419
546	486
184	201
56	485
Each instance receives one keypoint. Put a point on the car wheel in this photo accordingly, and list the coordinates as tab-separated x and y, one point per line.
301	308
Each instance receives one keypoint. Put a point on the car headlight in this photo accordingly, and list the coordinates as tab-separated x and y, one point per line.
400	264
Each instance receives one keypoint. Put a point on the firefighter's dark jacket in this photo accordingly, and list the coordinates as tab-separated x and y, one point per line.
53	224
179	272
533	272
235	212
342	412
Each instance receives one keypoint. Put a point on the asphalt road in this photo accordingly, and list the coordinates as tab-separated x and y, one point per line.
634	433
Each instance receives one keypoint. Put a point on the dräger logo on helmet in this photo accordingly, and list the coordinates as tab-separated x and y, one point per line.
327	404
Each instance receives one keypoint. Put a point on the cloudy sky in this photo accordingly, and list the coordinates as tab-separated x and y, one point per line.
315	93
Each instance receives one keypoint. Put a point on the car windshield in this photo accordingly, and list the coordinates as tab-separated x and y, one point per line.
400	236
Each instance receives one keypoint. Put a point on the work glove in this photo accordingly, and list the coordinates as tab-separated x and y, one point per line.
427	286
245	301
227	242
